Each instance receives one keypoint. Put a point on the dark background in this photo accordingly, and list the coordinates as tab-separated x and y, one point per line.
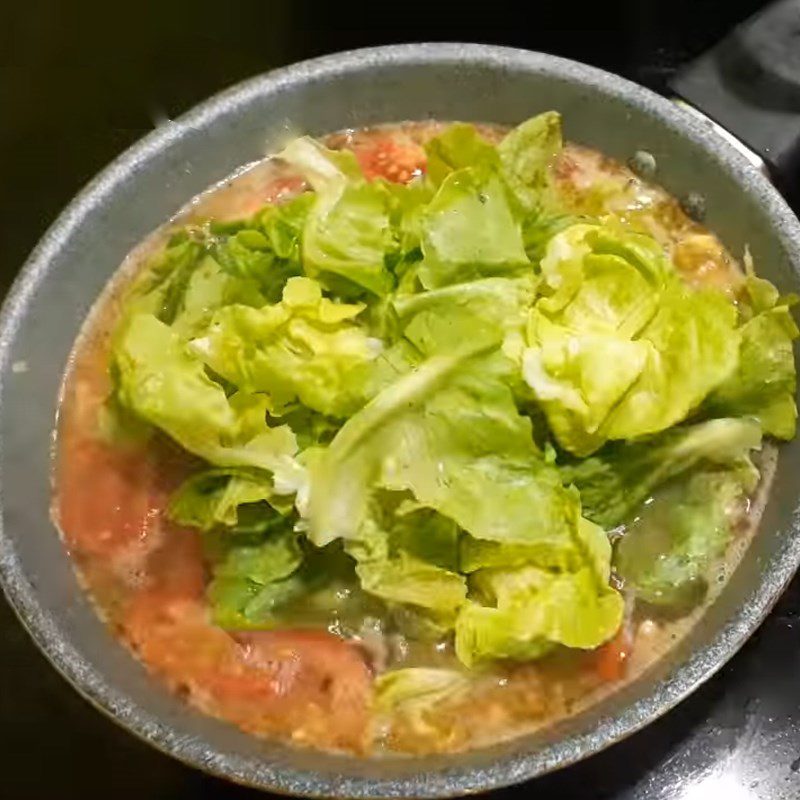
79	82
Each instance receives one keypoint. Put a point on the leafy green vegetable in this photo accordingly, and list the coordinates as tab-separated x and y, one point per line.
267	252
161	382
306	347
666	554
499	301
469	231
526	154
532	610
159	291
457	147
234	498
415	691
622	476
347	233
619	348
403	578
764	382
251	581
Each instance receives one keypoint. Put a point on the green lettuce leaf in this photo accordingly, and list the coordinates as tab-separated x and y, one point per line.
250	582
207	289
665	556
457	147
350	469
526	154
619	348
242	499
764	382
502	302
159	380
266	251
390	572
530	610
469	231
304	348
415	691
617	480
160	288
347	235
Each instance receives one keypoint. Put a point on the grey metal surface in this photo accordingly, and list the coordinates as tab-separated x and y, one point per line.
152	180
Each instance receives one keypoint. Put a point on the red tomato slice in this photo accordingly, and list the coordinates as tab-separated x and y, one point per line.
610	660
390	158
103	498
296	670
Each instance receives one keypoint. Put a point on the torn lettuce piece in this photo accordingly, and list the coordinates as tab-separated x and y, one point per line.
529	610
415	692
209	288
666	554
579	378
469	230
160	288
406	554
588	544
450	434
403	578
266	250
526	154
458	146
304	348
349	470
251	581
617	480
159	380
618	347
500	301
764	382
347	234
241	499
694	348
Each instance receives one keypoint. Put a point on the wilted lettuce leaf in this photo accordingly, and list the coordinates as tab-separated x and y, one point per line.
457	147
306	347
666	554
469	231
693	349
347	235
528	610
160	381
619	348
389	570
415	692
160	288
764	382
499	301
526	154
617	480
266	251
350	470
250	580
207	289
242	499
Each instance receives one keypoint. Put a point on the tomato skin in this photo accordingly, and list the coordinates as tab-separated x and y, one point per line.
390	158
306	668
610	661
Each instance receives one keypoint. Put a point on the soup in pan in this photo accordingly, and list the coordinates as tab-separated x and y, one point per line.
419	437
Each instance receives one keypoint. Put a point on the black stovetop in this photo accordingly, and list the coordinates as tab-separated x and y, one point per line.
81	81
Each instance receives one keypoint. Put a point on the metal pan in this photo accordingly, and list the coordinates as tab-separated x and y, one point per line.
152	180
